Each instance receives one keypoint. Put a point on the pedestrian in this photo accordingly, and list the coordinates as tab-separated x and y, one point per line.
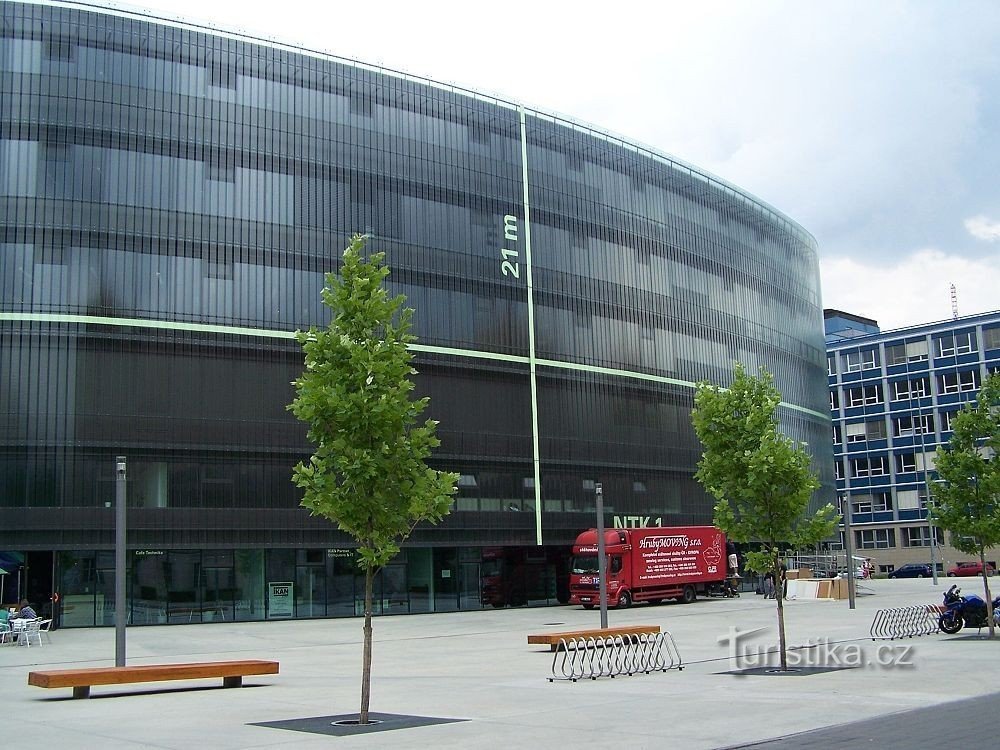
26	612
769	585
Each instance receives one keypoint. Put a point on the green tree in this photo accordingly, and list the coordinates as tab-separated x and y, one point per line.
966	499
760	479
369	472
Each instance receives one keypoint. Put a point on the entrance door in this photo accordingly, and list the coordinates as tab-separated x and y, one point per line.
36	585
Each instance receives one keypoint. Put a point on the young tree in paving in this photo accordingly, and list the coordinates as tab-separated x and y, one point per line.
966	499
760	479
369	472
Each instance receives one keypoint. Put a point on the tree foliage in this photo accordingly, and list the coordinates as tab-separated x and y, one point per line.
368	473
966	499
760	479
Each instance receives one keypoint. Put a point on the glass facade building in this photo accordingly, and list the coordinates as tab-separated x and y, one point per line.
171	196
893	395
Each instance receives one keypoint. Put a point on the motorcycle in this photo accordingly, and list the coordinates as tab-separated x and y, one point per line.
964	611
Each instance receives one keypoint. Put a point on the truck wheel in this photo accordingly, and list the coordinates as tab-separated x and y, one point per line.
689	595
625	600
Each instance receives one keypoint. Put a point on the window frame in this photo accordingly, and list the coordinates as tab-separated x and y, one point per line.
961	383
865	466
991	338
875	538
861	359
920	424
869	394
952	345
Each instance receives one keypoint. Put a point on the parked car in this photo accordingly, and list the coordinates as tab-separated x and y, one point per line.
912	570
970	569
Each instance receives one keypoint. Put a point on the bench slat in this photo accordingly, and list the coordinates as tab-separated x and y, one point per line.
553	639
149	673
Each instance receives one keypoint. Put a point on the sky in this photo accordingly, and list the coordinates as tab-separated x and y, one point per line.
874	125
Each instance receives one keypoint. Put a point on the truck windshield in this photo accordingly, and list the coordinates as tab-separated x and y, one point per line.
584	564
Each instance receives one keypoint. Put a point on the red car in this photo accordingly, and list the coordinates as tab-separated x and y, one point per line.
970	569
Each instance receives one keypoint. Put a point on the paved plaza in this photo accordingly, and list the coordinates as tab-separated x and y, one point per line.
477	669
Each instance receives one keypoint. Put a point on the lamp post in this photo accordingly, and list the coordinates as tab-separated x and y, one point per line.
933	530
927	491
602	563
846	502
120	561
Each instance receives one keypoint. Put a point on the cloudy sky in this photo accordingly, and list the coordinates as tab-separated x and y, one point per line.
875	125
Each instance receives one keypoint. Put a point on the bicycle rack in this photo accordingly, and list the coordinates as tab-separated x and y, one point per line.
905	622
576	658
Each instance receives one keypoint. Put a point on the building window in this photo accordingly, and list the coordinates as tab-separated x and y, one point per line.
910	462
837	436
908	499
991	338
920	536
860	432
895	354
59	49
946	419
878	502
838	470
222	76
952	344
919	425
903	390
865	394
873	466
875	538
901	354
834	400
866	359
959	382
861	504
831	364
219	172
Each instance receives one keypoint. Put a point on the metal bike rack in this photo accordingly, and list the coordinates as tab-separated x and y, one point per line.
576	658
905	622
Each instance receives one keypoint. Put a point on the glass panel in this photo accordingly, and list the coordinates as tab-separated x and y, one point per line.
249	584
78	585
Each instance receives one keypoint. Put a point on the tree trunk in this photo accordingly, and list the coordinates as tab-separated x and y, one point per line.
779	576
366	673
989	596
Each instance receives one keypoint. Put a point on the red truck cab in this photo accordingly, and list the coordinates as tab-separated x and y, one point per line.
648	565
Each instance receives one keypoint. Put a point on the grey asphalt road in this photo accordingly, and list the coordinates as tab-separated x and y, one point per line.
969	723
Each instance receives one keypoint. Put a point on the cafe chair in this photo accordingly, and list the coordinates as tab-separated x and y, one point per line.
43	630
30	631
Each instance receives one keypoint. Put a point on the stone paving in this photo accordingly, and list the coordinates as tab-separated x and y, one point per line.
477	668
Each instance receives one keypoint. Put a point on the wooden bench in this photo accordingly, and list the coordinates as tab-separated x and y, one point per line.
80	680
553	639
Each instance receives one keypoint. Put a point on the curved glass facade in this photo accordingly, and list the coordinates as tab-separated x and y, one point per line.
170	199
